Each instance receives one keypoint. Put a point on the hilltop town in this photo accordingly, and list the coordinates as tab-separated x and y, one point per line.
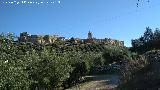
50	39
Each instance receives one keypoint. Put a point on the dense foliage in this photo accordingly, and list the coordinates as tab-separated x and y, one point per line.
114	54
35	66
149	41
143	72
58	65
129	70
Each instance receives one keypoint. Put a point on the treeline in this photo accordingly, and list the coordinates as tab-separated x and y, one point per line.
148	41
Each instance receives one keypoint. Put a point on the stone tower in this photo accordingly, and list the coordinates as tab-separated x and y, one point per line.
89	35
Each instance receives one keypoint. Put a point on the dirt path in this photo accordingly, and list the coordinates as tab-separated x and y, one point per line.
99	82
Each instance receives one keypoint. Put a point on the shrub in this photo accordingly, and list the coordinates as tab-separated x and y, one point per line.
117	54
143	73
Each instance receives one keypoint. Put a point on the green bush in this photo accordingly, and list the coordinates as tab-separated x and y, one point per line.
143	73
48	70
117	54
32	66
13	73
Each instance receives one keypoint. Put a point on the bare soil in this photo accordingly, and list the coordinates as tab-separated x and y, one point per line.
99	82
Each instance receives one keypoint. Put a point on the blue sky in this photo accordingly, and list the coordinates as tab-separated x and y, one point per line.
117	19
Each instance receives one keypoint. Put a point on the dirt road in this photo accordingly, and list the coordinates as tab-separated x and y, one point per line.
99	82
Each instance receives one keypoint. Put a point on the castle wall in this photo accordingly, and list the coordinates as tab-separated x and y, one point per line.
24	37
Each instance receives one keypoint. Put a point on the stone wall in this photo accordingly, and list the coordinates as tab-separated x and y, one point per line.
25	37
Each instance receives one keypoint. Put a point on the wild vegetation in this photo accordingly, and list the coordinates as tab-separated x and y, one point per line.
142	73
57	66
148	41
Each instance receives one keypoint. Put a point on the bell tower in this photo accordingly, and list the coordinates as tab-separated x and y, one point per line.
89	35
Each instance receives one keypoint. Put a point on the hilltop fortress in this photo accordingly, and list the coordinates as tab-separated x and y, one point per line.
47	39
25	37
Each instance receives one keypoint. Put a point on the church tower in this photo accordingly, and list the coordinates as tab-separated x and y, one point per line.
89	35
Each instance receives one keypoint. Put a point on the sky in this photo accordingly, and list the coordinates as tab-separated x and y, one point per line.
117	19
